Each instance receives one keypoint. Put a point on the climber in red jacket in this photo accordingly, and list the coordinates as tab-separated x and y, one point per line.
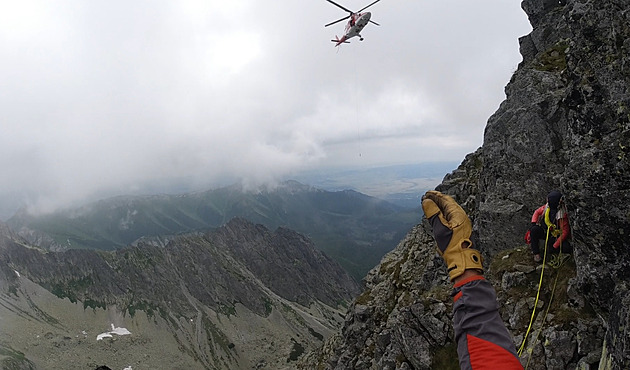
551	216
483	341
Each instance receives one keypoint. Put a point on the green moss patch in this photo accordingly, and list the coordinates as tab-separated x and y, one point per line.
445	358
553	59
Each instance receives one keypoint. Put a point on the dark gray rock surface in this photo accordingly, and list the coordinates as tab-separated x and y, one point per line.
565	125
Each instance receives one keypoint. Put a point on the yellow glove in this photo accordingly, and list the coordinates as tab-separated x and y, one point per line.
451	230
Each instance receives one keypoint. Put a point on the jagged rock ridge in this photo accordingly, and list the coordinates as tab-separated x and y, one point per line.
565	125
214	297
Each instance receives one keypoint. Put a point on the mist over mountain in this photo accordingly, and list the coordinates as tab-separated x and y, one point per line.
353	228
397	184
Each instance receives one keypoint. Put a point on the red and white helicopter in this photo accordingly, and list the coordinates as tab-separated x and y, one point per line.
354	26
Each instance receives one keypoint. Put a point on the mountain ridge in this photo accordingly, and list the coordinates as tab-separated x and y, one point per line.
355	229
196	290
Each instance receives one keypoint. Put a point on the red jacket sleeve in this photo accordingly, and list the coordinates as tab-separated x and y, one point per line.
566	231
537	213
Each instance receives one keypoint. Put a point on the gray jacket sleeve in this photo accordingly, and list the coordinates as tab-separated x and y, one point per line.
483	341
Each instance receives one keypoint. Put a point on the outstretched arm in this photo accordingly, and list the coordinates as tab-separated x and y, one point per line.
483	341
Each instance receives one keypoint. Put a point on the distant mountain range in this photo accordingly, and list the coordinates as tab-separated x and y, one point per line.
399	184
352	228
237	297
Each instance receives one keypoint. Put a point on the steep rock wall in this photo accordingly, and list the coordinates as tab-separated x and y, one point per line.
565	125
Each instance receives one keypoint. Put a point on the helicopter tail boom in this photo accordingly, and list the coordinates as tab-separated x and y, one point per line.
340	41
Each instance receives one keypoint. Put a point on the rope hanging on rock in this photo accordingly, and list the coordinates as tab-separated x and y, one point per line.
555	262
531	320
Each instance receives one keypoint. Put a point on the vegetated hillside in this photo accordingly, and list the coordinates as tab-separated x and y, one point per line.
564	125
353	228
235	298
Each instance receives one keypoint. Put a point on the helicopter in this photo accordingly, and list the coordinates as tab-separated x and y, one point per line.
355	24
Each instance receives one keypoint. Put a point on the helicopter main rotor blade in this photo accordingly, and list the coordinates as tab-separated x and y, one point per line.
337	21
375	23
349	11
366	6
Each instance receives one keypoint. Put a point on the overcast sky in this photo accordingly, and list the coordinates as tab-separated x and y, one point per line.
107	94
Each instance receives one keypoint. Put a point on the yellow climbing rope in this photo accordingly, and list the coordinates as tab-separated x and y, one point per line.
553	290
555	232
531	320
556	261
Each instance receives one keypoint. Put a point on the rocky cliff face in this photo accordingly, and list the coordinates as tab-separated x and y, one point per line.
237	297
565	125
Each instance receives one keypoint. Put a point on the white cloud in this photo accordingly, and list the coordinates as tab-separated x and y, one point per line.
118	95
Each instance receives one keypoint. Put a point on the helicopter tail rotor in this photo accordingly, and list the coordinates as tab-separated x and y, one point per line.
339	41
